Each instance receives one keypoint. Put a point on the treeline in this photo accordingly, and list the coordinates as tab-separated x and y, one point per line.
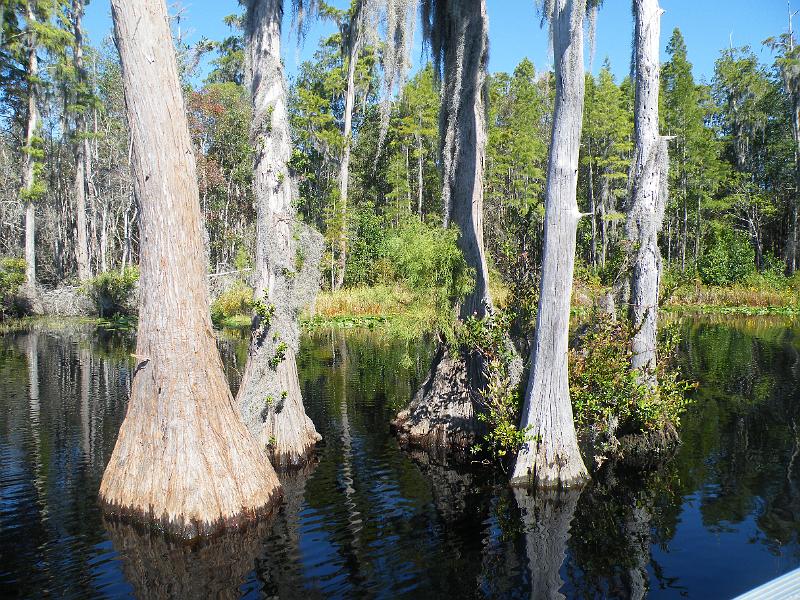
66	186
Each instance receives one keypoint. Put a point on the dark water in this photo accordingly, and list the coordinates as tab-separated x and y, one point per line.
370	521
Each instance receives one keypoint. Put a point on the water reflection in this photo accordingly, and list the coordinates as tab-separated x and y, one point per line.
547	516
158	567
369	520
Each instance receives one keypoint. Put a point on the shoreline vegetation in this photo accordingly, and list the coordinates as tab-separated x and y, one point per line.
381	305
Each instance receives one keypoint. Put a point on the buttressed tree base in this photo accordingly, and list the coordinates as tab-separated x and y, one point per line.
183	459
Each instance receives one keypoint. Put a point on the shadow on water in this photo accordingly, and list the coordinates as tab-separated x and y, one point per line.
369	520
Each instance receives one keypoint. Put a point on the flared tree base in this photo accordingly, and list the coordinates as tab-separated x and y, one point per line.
442	417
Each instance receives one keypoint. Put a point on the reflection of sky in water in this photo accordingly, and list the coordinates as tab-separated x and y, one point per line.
370	521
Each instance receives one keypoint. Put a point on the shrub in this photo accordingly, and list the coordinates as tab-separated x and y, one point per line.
12	276
111	291
237	300
604	390
730	258
427	259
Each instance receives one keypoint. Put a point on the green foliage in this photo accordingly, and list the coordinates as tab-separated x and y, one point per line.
604	389
728	259
500	401
427	259
111	291
280	354
12	276
237	300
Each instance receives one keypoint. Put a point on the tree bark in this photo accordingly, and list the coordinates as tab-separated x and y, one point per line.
552	457
269	396
29	159
183	458
81	150
649	194
463	125
344	167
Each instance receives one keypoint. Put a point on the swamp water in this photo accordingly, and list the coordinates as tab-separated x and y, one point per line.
370	521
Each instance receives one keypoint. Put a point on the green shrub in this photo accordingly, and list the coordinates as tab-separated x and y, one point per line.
12	276
111	291
729	258
237	300
427	259
603	387
500	399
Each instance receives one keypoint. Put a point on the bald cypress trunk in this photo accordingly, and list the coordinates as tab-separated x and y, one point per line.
287	256
183	457
552	457
648	195
442	414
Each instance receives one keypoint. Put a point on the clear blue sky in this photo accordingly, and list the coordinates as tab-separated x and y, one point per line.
514	31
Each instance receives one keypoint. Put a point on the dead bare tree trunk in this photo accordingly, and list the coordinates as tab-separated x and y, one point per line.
82	151
552	457
288	254
183	457
648	192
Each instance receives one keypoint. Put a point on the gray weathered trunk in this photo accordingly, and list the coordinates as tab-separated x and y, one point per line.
648	192
344	167
463	128
442	414
82	154
287	256
183	457
29	161
552	457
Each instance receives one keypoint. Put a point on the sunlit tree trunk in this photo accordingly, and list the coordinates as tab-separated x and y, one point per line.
82	151
29	159
648	196
183	457
463	115
269	396
344	167
552	457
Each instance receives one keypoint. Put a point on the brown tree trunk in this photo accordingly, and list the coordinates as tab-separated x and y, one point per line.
649	195
269	396
82	152
551	458
183	457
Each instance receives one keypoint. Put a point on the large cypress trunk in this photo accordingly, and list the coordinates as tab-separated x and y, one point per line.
183	458
648	196
269	396
552	457
442	414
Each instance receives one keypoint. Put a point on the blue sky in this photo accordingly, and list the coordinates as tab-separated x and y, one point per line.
514	31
